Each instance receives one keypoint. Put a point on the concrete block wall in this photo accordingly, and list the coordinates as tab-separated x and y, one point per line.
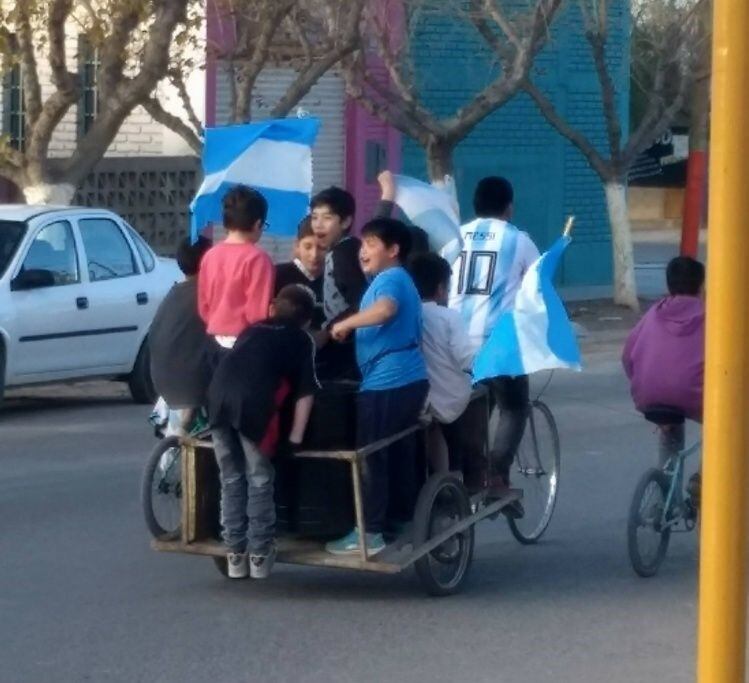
551	178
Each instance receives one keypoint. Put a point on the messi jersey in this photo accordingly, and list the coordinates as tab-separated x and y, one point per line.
488	272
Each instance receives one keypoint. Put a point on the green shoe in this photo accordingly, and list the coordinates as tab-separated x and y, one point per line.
349	544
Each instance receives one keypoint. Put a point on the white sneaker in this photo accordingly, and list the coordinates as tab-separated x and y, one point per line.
260	565
236	565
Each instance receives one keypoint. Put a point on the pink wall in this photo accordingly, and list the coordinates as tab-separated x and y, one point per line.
360	126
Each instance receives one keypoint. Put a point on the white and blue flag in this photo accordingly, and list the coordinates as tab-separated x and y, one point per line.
274	157
434	210
536	333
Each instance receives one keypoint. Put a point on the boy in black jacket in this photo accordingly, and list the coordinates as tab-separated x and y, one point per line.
344	282
271	361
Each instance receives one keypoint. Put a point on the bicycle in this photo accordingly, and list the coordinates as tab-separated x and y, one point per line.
659	505
161	485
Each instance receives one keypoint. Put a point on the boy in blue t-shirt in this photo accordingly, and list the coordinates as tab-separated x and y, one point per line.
394	379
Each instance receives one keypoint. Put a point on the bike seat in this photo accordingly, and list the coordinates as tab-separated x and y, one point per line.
664	415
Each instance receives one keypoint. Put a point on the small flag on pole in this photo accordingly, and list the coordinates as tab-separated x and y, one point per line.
536	334
432	209
274	157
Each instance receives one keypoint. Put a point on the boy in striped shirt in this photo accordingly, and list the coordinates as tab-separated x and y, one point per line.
485	279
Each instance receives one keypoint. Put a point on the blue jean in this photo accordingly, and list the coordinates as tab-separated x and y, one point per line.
248	511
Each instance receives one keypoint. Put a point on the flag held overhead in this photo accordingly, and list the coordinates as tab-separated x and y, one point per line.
274	157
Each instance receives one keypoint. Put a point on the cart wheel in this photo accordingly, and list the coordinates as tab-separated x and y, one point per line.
442	502
647	539
536	472
161	490
221	564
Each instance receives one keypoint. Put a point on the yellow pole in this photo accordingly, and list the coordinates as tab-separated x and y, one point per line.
723	547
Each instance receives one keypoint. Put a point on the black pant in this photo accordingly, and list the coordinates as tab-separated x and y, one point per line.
391	475
511	395
466	440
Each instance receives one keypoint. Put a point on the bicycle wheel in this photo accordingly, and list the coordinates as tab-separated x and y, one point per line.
647	538
442	503
161	490
536	472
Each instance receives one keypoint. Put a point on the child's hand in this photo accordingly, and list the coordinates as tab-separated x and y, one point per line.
387	185
340	331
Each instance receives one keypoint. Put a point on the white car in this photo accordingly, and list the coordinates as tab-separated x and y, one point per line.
78	290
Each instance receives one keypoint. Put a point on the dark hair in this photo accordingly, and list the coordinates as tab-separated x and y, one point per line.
304	229
295	303
492	197
429	271
685	276
243	207
391	232
189	254
340	202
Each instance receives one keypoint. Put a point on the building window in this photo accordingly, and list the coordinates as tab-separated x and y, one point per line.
14	119
89	64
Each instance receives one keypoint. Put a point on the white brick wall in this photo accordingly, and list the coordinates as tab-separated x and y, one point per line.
139	136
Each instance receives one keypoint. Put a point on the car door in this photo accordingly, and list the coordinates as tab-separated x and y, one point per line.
117	291
48	302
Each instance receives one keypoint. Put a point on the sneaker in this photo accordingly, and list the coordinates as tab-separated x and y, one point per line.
236	565
500	487
349	544
260	565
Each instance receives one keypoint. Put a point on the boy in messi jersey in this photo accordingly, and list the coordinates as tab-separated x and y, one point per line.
486	278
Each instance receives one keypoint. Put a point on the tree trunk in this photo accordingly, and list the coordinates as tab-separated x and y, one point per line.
625	288
43	193
439	159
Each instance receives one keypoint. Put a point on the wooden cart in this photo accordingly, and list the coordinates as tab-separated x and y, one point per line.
439	542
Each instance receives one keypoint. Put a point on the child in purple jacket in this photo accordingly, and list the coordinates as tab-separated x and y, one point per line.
664	356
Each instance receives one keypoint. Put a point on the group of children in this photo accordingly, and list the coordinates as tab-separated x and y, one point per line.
379	309
372	309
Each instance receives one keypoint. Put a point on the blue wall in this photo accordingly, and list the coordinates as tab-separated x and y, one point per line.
551	178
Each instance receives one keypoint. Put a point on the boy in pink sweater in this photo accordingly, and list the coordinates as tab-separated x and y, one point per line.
235	285
664	355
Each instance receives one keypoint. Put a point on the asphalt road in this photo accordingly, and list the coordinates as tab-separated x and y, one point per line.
83	598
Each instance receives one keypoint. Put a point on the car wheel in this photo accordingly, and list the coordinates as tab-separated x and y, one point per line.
139	381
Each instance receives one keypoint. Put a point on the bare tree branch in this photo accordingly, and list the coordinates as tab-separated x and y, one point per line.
162	116
130	92
31	87
577	138
608	92
113	51
346	39
177	80
259	37
516	41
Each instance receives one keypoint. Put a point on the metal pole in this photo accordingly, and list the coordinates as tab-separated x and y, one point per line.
723	548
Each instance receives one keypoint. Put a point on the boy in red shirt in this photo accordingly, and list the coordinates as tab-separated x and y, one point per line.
235	285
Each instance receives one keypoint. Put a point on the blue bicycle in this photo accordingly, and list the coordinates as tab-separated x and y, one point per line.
659	505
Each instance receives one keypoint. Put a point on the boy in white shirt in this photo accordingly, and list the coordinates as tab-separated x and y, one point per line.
485	279
448	353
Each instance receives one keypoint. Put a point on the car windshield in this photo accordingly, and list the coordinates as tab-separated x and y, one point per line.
11	234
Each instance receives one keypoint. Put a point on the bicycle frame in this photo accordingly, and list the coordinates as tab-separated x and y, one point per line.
674	468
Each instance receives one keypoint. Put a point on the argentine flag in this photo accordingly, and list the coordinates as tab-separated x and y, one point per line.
274	157
536	334
434	210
